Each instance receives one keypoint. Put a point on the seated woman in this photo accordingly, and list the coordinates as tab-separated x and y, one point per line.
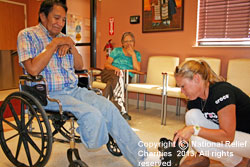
217	121
121	58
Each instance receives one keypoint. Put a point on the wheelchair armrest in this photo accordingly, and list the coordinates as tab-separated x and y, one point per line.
31	78
170	74
95	68
137	72
84	71
95	71
37	92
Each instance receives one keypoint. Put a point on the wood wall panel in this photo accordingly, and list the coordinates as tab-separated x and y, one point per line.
12	20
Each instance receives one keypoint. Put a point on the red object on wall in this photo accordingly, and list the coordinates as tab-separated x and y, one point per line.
17	106
111	26
108	48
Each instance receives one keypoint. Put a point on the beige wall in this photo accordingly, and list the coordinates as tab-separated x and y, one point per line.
175	43
82	8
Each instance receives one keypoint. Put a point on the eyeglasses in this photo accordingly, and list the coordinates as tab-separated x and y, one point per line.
129	41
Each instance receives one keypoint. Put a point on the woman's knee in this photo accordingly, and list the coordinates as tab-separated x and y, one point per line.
193	116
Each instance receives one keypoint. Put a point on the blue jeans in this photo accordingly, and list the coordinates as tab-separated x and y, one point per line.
98	117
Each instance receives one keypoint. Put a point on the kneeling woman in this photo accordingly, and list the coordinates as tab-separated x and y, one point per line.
217	121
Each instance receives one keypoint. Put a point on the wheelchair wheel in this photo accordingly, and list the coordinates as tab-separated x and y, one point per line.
16	136
78	163
113	147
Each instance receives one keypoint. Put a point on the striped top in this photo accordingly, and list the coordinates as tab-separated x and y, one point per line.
59	72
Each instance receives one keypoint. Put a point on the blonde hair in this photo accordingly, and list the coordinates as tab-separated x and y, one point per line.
189	68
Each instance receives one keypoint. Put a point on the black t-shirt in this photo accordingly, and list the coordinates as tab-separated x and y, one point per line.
220	95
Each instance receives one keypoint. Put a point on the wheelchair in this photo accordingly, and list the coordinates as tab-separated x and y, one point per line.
31	130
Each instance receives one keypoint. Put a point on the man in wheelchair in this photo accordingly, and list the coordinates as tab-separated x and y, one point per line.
44	50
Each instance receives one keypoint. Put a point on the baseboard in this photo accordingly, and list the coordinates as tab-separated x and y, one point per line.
170	108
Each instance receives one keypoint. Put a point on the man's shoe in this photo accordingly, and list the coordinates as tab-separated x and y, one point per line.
126	116
172	155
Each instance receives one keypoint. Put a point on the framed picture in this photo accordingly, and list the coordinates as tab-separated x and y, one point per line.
162	15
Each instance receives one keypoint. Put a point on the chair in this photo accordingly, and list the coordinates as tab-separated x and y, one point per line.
95	75
214	63
31	123
159	81
238	74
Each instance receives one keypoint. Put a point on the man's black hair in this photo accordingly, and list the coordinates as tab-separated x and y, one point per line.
47	6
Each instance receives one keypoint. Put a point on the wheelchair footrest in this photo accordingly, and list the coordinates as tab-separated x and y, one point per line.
77	162
72	152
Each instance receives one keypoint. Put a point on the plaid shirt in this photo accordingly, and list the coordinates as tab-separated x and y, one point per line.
59	72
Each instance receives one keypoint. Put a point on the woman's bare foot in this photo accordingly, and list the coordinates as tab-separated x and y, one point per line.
244	163
196	161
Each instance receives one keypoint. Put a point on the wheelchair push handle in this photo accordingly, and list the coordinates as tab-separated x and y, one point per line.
31	78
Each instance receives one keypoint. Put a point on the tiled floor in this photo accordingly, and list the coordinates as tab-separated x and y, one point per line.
146	123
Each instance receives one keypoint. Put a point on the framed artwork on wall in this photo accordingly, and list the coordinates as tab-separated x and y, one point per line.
162	15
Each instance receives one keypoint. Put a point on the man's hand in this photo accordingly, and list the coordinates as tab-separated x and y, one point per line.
64	44
63	50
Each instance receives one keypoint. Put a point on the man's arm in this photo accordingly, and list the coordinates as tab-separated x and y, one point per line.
78	63
36	65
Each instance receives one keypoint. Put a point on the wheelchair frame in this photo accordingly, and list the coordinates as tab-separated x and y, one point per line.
31	104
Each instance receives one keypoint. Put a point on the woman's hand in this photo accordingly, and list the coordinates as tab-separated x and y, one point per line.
117	71
130	51
108	65
183	134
